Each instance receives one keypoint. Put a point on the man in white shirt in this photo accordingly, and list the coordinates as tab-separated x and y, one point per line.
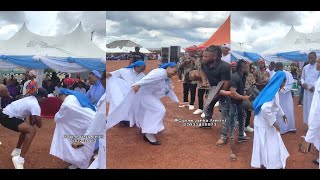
309	76
13	117
225	53
270	70
80	88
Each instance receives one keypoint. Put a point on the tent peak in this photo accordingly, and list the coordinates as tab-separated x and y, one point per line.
79	26
24	26
292	27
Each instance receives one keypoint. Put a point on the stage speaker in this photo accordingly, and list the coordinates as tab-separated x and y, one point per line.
165	54
174	53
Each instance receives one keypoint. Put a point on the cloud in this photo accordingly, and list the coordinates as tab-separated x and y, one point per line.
263	30
53	23
260	18
12	17
163	28
91	21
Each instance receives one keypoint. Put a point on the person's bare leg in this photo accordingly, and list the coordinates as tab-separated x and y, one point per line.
20	141
29	132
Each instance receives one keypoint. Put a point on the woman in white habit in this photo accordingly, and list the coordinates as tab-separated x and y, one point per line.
143	106
268	148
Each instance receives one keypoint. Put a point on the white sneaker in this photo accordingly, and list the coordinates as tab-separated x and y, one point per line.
198	111
191	107
203	115
17	164
244	134
217	104
183	105
16	152
248	129
72	167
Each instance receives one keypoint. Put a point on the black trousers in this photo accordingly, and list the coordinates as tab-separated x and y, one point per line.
248	117
192	88
180	72
201	93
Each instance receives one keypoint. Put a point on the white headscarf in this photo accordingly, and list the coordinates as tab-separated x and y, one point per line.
33	73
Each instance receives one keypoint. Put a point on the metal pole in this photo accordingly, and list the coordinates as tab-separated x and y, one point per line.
92	34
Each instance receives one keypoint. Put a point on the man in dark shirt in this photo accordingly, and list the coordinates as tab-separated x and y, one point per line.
213	70
137	55
237	97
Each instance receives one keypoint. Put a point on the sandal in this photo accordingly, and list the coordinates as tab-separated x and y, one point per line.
233	157
221	142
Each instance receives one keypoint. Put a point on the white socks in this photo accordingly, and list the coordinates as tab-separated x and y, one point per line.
151	137
20	159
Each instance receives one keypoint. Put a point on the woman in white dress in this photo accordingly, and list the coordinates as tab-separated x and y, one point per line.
143	106
120	81
268	147
72	121
97	127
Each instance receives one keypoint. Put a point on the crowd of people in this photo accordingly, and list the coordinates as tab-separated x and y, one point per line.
79	135
244	88
136	55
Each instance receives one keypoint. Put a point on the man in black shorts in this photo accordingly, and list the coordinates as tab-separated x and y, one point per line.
14	117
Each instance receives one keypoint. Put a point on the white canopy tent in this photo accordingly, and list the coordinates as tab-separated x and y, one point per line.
296	41
114	50
73	52
125	46
75	44
125	49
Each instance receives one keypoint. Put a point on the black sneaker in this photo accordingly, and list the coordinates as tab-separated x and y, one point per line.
243	139
125	123
316	162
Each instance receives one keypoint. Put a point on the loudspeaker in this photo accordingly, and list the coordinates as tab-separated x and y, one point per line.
174	53
165	54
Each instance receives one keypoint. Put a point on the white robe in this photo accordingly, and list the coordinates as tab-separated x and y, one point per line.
120	85
268	147
286	103
117	89
128	74
309	76
313	134
98	127
271	73
72	120
145	108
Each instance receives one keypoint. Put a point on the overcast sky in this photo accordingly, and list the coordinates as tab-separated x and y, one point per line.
163	28
51	23
260	30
